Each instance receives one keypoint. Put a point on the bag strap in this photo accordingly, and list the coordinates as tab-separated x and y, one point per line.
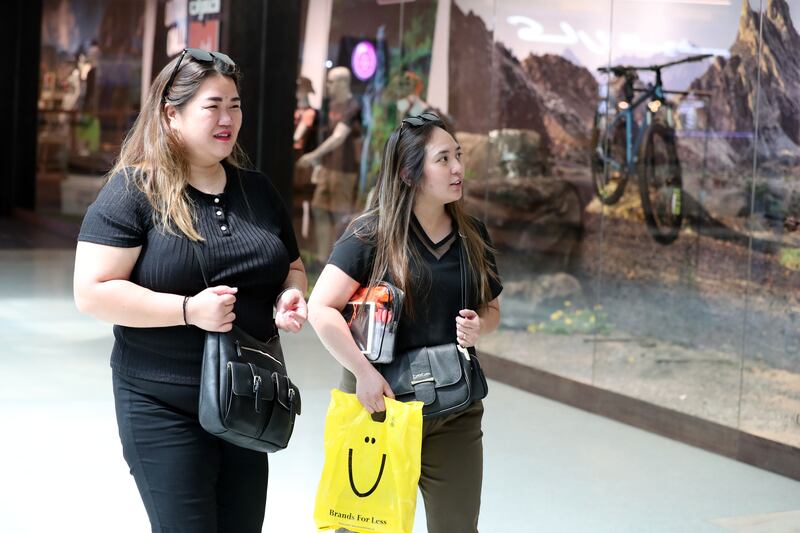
462	266
201	260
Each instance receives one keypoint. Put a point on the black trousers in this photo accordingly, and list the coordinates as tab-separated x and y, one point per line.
189	480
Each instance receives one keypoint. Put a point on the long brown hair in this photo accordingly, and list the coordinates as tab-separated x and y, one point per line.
386	221
153	157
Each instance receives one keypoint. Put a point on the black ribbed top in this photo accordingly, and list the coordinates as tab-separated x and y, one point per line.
249	243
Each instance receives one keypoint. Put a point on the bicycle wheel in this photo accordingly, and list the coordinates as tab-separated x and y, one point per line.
660	183
608	161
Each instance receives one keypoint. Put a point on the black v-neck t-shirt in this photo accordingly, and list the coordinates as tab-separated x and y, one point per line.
249	243
436	294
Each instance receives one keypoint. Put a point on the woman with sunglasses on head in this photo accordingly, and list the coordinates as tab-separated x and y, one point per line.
415	234
180	183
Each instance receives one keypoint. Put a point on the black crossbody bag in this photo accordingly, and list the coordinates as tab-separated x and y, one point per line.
445	378
246	396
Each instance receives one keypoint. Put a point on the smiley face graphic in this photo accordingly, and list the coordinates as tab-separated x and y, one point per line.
369	441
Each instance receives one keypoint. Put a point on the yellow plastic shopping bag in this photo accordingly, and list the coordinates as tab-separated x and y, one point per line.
369	481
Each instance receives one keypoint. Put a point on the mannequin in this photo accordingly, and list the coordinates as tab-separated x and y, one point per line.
335	162
411	104
71	100
306	121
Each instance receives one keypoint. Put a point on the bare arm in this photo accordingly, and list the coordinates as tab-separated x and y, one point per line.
296	276
490	316
290	307
470	324
102	289
336	139
331	293
300	131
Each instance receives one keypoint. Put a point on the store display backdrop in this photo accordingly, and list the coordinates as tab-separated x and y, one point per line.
771	370
523	114
402	37
677	314
590	295
655	322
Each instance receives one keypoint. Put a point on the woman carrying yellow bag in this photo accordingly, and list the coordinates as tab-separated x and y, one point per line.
369	481
416	236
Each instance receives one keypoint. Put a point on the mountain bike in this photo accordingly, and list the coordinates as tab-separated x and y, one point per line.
622	147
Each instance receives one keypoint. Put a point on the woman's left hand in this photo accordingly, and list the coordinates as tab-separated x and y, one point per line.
468	327
308	160
291	311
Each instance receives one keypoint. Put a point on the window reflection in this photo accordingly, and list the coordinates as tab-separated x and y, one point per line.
646	220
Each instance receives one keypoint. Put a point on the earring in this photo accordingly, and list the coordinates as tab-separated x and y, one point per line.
404	177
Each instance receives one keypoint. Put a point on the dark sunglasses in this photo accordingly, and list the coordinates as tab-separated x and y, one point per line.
419	120
198	55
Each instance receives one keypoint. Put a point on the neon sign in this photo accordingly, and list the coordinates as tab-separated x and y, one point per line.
364	60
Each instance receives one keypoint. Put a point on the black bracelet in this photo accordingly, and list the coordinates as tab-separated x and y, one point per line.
185	301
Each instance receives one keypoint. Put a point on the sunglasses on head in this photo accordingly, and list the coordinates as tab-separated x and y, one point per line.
198	55
419	120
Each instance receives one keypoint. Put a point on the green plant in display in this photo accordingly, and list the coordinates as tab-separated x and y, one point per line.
569	320
790	258
414	55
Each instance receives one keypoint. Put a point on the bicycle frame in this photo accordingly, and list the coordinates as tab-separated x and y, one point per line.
608	166
632	145
654	92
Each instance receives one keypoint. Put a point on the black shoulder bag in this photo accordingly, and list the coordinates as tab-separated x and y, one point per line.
246	396
446	378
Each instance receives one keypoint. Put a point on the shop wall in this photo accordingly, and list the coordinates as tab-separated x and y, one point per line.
702	324
703	321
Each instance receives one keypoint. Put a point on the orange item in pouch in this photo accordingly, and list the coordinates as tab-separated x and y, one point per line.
372	314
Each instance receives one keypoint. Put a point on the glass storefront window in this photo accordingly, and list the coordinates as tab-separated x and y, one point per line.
681	288
89	95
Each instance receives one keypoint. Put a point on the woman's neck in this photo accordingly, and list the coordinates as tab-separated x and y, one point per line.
207	178
433	219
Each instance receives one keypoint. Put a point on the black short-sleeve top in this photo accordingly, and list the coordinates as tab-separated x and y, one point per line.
436	293
249	243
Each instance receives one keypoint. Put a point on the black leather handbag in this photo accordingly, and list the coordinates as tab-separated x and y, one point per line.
446	378
246	396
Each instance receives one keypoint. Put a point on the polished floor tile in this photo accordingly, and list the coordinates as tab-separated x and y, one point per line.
548	467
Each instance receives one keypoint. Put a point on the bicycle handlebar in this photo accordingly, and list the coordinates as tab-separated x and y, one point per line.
619	70
690	59
682	93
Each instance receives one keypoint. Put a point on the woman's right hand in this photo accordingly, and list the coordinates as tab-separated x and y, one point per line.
212	308
371	389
